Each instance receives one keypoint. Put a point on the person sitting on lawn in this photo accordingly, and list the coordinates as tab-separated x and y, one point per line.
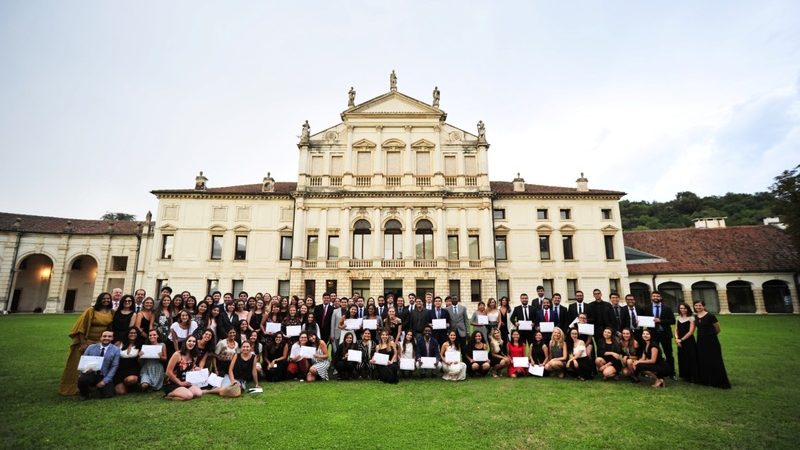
101	380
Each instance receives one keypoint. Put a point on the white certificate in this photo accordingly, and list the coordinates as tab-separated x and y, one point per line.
452	356
546	327
352	324
407	364
307	352
586	328
151	351
439	324
354	356
428	362
197	377
520	361
537	371
87	363
381	359
273	327
370	324
480	355
214	380
647	322
483	320
293	330
525	325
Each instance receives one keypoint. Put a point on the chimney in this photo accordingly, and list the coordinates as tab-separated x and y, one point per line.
519	184
583	183
709	222
268	184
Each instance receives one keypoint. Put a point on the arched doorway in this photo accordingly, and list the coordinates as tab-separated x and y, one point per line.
706	291
777	297
740	297
80	285
671	294
31	283
641	292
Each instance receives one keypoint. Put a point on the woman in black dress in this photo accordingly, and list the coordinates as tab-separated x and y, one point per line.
243	367
474	367
540	351
123	318
502	321
687	349
651	363
609	355
275	358
710	367
127	375
346	369
386	346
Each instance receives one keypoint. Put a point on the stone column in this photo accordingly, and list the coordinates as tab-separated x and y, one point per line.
408	167
793	293
440	237
408	235
723	301
758	299
322	243
377	235
345	250
379	163
299	237
438	158
487	236
347	176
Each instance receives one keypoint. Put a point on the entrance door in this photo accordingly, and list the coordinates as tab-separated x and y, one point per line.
394	287
69	301
15	300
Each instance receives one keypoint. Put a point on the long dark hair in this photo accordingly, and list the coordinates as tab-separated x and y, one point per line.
137	342
185	351
98	304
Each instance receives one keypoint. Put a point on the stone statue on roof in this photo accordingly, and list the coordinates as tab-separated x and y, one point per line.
200	182
351	97
392	82
306	133
481	132
436	95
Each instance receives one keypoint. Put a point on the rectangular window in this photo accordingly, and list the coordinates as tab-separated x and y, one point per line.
572	288
236	287
452	247
241	248
161	284
119	263
475	290
547	283
166	246
544	247
454	287
216	247
311	249
500	250
333	247
566	214
470	166
605	213
283	288
337	166
567	241
316	165
613	285
212	286
450	166
502	288
393	164
474	247
311	288
330	286
361	246
424	246
499	214
541	214
423	163
393	246
286	248
609	242
364	163
424	286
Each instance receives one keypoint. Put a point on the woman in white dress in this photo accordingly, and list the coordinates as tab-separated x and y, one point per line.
455	370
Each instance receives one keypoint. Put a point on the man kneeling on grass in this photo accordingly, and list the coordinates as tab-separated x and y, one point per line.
100	379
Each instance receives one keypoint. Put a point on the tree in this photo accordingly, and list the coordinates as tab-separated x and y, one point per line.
787	190
118	217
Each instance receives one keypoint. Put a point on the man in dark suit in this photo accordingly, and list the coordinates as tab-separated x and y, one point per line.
524	312
545	314
616	312
427	347
600	314
101	380
662	333
576	308
630	317
418	318
537	302
323	314
559	312
382	310
439	313
401	310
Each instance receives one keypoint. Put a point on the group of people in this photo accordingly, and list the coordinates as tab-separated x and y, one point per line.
238	342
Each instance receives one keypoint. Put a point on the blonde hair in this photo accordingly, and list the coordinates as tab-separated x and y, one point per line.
556	342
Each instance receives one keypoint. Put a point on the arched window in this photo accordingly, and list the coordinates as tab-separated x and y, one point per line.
641	292
361	234
424	239
671	294
393	240
706	291
777	297
740	297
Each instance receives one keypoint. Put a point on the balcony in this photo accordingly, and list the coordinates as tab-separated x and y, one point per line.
315	181
393	181
475	264
471	181
309	264
423	181
336	181
425	263
393	263
363	181
360	263
451	181
453	264
331	264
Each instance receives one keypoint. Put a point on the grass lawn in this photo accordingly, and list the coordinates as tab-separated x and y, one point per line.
761	411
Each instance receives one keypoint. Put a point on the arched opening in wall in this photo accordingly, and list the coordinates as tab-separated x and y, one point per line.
671	294
31	283
740	297
706	292
777	297
393	240
641	292
423	239
361	233
80	283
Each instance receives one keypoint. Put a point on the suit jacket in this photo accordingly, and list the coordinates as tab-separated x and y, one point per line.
324	326
459	321
573	312
563	315
336	316
402	314
429	350
518	314
417	320
667	320
383	314
601	315
110	360
440	335
616	324
626	316
536	303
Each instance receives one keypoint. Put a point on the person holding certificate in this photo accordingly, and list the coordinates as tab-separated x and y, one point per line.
516	349
243	367
651	364
367	348
609	355
318	371
386	346
439	319
498	358
427	347
206	346
540	350
477	363
344	367
558	353
292	319
275	358
181	362
151	374
298	363
87	330
225	351
127	376
372	318
579	363
271	323
408	355
100	376
452	366
480	320
351	322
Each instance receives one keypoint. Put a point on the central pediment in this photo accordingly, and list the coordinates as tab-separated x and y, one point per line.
394	104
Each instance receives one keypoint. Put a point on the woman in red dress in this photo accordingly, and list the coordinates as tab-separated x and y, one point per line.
516	349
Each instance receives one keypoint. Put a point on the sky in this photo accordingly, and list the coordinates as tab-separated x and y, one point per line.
102	102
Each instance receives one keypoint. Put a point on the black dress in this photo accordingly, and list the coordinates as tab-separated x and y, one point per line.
346	369
659	367
387	374
710	367
180	371
120	324
537	353
613	347
278	372
243	368
687	353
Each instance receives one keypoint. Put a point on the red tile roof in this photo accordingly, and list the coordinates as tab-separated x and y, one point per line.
44	224
281	187
758	248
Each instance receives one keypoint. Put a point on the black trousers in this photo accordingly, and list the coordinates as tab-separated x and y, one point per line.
87	382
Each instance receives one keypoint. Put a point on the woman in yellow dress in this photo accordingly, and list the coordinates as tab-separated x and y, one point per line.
86	331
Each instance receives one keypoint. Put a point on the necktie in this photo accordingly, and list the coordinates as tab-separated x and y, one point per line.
580	308
658	311
547	315
525	312
456	309
555	314
616	312
102	351
324	313
360	312
437	314
633	317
